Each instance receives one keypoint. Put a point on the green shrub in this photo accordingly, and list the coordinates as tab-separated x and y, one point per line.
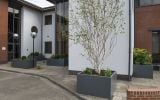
142	56
23	58
107	73
88	71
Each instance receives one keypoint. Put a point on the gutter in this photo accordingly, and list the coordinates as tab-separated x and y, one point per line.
130	43
42	34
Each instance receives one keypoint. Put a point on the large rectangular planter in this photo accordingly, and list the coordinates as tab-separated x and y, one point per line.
26	64
57	62
143	71
100	86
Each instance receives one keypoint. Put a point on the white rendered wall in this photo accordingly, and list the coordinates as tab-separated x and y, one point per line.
49	33
118	60
29	18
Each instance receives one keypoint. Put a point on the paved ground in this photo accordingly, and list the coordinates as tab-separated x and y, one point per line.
60	75
25	87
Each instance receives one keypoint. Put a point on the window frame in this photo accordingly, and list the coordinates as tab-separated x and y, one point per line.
48	20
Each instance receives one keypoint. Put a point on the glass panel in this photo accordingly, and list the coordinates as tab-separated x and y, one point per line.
146	2
48	20
10	38
62	27
48	47
156	48
10	22
16	25
13	27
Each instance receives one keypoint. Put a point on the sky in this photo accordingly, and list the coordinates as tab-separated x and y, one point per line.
41	3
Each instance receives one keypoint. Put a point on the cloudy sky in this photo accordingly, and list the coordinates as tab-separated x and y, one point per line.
41	3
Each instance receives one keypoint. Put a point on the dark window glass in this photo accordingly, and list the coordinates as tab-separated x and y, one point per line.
16	25
137	3
48	47
48	20
14	44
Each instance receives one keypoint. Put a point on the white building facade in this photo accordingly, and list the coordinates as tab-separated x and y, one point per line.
53	22
44	20
121	58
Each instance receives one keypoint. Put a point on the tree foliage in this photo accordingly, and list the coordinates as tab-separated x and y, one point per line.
95	25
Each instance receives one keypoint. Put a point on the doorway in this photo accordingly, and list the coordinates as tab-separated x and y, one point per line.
156	47
14	36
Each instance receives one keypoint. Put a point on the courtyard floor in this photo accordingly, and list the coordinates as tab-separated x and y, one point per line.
65	85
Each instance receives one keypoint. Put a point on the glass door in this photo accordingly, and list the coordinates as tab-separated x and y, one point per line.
156	47
13	33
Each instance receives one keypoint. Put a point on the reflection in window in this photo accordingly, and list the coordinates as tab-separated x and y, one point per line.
62	27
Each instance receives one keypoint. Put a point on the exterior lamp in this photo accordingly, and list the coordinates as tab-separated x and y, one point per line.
15	36
34	32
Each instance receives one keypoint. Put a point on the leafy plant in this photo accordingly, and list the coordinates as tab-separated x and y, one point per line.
142	56
107	73
23	58
88	71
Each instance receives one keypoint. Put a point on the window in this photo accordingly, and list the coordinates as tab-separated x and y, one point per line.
48	20
48	47
139	3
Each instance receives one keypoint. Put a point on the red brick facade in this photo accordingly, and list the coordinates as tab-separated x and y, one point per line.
143	94
3	31
146	18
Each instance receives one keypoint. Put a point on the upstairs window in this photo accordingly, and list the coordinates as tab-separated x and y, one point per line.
139	3
48	19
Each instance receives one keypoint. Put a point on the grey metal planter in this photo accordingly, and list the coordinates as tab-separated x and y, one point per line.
26	64
100	86
57	62
143	71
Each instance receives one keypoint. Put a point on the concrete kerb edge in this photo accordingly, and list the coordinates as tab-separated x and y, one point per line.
50	80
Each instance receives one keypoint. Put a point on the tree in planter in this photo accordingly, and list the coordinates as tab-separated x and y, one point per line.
97	24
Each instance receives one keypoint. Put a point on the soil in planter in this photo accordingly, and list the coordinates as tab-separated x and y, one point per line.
90	71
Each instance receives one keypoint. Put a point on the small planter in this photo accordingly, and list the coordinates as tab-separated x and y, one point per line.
26	64
143	71
100	86
57	62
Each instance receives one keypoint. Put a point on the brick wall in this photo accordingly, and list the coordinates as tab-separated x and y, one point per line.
3	30
146	18
143	94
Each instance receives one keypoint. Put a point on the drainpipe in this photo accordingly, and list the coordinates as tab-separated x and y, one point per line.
42	46
130	43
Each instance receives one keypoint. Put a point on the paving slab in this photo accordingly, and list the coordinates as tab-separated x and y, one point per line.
60	75
27	87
